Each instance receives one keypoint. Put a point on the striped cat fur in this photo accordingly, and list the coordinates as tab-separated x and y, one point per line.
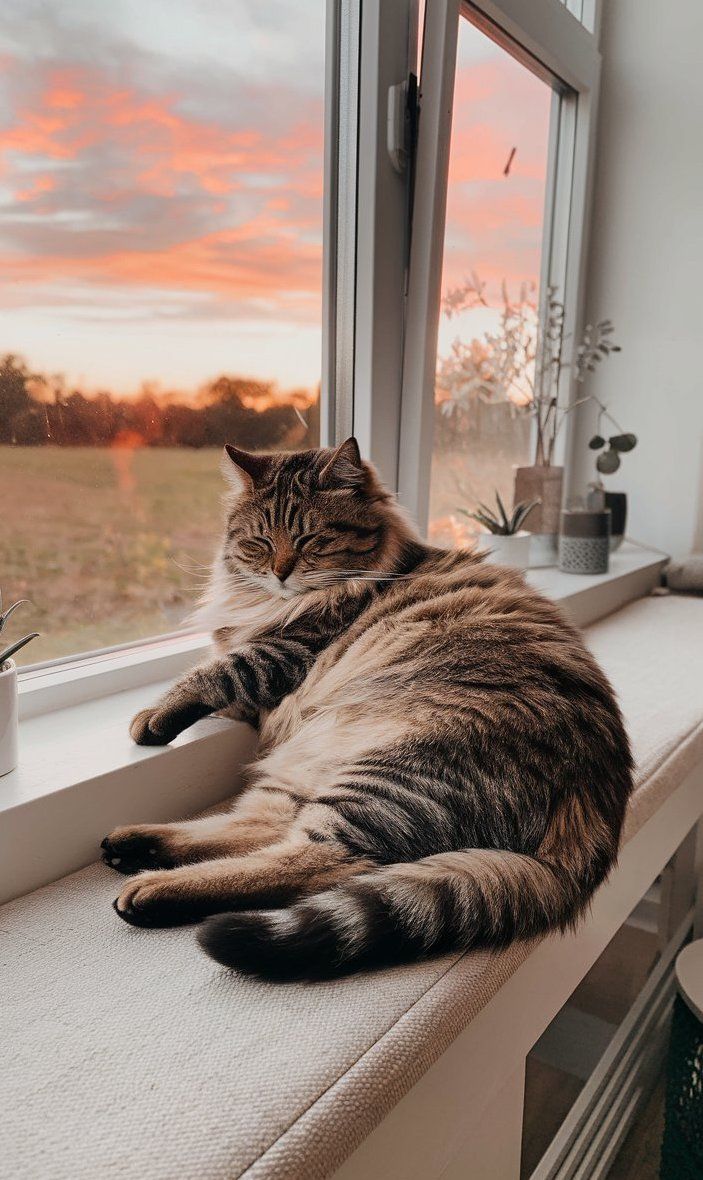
442	764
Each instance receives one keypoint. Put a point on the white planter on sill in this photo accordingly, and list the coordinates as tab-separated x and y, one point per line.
513	550
8	717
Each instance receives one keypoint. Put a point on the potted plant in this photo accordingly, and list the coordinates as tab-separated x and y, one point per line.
522	364
8	693
505	542
543	478
608	461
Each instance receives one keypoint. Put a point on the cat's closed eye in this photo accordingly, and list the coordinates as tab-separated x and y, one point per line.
257	546
317	543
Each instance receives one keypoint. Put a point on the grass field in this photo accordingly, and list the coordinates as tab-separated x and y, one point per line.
109	545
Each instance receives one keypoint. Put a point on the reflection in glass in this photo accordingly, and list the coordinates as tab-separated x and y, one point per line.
490	282
161	241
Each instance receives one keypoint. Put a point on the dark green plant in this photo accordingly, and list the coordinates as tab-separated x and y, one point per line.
19	643
596	346
500	523
612	448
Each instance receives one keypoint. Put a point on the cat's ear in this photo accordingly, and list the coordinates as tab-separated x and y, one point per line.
344	468
243	469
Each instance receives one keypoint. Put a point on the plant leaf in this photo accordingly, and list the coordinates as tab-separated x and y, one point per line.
6	614
521	514
503	513
10	651
623	442
597	442
487	521
608	462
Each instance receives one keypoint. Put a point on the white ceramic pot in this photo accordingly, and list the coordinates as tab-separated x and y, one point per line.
511	550
8	717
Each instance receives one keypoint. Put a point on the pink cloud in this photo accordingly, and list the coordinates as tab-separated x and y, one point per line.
494	222
38	187
237	207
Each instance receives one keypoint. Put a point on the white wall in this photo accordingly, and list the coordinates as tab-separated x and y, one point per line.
646	261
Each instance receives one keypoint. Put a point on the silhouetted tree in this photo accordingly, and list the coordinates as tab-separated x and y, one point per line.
14	394
37	410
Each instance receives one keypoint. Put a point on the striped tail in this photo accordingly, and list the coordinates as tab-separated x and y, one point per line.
399	913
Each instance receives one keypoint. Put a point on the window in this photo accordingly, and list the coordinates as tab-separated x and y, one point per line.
493	245
207	235
162	269
550	65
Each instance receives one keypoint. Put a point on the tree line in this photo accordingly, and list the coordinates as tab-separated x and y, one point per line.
36	410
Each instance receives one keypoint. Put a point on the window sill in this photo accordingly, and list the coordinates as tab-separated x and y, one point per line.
61	684
585	598
80	775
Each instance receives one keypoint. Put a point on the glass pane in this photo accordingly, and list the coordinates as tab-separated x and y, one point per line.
161	242
490	282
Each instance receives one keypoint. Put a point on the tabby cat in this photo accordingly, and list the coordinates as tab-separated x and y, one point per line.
442	764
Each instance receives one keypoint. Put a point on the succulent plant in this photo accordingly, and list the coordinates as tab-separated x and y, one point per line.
500	523
19	643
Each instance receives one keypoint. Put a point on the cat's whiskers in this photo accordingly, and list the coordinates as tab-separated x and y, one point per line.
326	578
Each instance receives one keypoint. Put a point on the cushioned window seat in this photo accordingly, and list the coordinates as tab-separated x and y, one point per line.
127	1052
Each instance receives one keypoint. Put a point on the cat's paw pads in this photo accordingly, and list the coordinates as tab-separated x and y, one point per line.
129	850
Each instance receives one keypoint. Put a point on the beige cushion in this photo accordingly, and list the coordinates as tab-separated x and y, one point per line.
127	1052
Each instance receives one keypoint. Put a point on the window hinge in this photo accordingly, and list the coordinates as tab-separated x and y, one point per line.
402	122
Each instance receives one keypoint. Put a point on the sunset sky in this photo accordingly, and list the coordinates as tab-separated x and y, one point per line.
494	222
161	183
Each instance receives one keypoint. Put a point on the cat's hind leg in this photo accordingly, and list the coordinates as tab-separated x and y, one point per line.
257	818
270	877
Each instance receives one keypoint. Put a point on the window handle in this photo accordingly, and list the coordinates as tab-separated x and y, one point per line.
402	122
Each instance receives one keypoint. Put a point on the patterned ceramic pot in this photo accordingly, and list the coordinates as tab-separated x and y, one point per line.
584	541
8	717
543	484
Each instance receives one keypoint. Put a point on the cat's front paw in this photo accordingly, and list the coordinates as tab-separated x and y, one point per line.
141	732
160	724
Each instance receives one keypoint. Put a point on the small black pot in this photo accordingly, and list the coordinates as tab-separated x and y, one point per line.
617	503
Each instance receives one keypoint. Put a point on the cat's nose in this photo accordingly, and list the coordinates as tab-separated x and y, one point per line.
284	564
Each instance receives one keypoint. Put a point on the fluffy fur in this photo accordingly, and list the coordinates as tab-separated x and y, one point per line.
442	763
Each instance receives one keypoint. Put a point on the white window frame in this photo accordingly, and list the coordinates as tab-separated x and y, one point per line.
546	32
367	232
381	285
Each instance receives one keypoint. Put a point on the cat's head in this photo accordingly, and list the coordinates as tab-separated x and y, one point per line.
308	520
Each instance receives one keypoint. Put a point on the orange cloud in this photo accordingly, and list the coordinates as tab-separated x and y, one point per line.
252	261
259	188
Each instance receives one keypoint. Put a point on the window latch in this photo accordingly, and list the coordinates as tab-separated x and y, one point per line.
402	122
